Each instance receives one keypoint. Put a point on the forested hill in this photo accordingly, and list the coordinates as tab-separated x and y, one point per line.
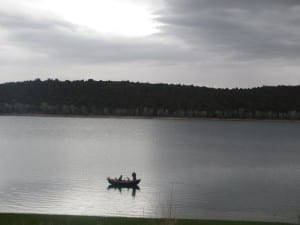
143	99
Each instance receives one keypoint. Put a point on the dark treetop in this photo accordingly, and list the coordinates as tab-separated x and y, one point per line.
143	99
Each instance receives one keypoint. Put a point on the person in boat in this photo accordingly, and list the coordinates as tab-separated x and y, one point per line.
120	178
134	176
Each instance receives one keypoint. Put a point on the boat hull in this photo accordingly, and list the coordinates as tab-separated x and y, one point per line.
123	183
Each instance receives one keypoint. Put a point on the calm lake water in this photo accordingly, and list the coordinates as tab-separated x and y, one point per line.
189	168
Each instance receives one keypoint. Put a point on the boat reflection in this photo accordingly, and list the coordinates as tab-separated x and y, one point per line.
120	188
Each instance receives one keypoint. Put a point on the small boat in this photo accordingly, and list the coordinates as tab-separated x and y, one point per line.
123	183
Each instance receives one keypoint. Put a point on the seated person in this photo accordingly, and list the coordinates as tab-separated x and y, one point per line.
134	176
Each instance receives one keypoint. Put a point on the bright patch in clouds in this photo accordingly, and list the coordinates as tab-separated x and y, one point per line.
111	17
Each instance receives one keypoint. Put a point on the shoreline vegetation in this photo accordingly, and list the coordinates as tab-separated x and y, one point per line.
43	219
127	99
145	117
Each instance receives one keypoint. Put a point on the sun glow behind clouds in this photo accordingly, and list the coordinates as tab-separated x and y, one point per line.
112	17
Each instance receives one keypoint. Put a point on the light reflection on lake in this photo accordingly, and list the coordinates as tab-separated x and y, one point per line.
204	169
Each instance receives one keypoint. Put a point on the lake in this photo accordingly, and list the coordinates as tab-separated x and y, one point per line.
206	169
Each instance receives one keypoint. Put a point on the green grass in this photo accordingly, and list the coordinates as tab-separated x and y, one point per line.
37	219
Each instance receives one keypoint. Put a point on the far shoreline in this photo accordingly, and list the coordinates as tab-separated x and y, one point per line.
146	117
43	219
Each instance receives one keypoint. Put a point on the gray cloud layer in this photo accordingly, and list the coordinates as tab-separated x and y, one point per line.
205	42
256	29
59	40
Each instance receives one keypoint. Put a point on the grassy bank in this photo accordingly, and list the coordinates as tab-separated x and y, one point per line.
33	219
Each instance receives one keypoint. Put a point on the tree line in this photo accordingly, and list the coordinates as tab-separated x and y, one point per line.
124	98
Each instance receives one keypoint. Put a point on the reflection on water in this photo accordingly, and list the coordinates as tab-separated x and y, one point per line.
132	189
218	169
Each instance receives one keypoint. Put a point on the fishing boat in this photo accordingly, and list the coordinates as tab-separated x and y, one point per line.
123	183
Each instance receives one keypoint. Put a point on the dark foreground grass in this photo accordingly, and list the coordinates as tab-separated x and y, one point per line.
33	219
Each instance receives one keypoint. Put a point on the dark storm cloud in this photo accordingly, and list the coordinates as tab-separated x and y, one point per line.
246	29
62	41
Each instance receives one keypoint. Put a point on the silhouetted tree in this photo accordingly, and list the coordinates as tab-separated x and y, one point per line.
143	99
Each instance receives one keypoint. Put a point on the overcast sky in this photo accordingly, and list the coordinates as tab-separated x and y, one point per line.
218	43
